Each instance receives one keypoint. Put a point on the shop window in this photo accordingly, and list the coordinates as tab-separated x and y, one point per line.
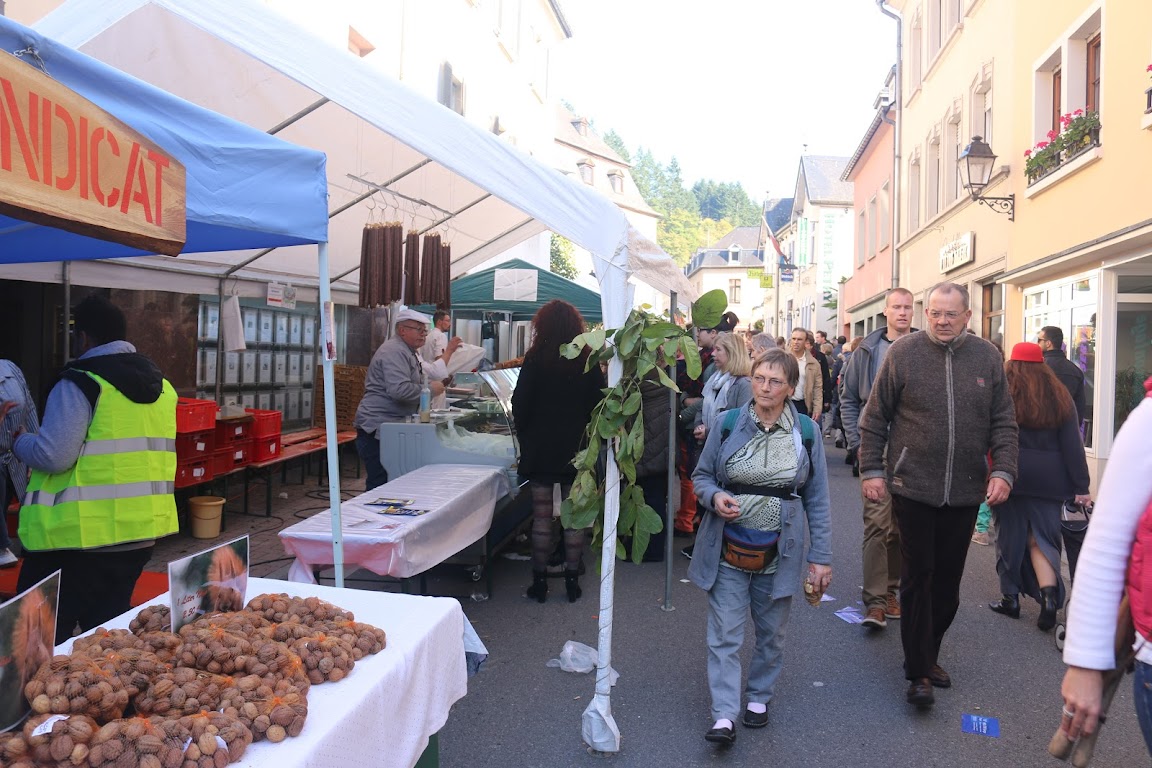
992	325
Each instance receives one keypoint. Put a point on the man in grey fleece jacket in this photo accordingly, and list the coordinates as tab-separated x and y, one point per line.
939	407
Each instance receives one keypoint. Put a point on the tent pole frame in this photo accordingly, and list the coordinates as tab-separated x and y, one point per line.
670	504
334	497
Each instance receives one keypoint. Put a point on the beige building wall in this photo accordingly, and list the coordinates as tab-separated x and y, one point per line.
957	83
1082	243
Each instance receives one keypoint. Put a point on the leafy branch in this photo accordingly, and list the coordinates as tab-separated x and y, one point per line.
646	346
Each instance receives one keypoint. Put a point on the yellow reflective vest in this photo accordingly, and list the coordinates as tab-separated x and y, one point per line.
120	488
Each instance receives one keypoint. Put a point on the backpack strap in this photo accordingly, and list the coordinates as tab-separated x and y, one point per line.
807	434
729	424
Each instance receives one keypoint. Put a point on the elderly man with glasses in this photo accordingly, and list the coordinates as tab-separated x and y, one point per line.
392	387
939	408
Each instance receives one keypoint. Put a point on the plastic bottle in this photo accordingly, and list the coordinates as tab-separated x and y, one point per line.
425	402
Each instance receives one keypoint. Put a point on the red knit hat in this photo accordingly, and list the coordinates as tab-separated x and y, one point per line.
1027	352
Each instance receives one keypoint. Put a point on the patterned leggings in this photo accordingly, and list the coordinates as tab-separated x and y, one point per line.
542	530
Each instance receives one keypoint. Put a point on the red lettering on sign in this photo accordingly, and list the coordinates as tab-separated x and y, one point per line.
160	163
135	175
83	143
17	126
68	180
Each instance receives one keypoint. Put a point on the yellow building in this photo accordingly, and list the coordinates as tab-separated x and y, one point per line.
956	83
1081	255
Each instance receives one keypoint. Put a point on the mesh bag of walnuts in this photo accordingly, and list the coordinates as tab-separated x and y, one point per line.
163	644
303	610
183	691
138	742
243	623
216	739
273	711
58	741
14	751
78	685
215	650
365	639
153	618
107	640
134	666
326	658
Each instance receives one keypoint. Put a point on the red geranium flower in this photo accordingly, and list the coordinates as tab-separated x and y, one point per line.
1041	145
1027	153
1051	134
1078	112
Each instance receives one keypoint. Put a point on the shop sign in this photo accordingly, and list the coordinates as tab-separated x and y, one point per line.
757	274
957	253
281	296
66	163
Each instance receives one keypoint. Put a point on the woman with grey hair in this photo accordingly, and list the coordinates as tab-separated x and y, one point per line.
761	477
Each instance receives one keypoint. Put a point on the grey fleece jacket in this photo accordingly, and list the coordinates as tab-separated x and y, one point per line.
939	409
857	377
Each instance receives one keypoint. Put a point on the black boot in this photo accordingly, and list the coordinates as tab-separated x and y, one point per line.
539	588
1009	605
1047	618
572	585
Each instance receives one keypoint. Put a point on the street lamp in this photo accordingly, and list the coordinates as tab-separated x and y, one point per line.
975	168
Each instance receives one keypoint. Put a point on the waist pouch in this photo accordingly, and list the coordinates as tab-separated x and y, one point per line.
749	549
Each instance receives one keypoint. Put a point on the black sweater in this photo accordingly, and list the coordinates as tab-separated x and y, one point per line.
552	406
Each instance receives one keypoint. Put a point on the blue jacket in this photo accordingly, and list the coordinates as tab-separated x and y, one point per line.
811	507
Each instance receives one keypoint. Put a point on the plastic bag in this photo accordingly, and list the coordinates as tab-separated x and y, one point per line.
577	657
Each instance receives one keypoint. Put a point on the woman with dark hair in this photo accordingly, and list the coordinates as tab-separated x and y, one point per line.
1052	468
551	407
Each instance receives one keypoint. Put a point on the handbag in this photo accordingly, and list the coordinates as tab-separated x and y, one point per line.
749	549
1074	517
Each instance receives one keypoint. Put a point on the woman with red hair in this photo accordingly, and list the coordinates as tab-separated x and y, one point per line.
1052	469
551	407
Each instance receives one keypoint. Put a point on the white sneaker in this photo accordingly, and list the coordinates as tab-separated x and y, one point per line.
7	559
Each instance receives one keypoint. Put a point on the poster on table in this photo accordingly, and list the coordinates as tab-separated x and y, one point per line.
209	581
27	640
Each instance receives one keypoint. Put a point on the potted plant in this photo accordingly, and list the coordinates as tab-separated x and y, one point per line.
1079	130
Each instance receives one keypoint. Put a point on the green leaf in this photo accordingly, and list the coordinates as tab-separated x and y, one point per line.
621	554
591	455
636	437
627	517
647	520
612	404
627	467
604	355
709	309
663	330
667	381
639	545
691	354
632	404
571	351
604	428
595	339
628	339
566	510
643	366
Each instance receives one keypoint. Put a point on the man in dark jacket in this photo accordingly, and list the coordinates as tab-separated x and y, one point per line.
939	407
1051	340
881	546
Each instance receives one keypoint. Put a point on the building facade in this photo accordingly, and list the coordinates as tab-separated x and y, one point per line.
725	264
870	172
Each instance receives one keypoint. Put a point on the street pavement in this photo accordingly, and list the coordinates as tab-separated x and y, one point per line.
839	701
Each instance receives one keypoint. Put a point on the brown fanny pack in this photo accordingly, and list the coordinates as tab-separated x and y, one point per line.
749	549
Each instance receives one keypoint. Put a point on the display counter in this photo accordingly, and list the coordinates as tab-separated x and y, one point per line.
386	710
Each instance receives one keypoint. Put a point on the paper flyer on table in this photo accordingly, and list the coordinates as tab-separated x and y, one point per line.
209	581
27	640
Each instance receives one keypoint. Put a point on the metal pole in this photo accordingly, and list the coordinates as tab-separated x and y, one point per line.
670	505
330	422
67	316
220	353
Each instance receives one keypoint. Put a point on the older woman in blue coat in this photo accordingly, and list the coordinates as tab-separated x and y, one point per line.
761	477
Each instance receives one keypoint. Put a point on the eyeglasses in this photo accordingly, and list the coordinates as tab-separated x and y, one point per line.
1040	339
936	314
415	328
760	381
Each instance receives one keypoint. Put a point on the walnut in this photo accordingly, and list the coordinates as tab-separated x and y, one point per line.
153	618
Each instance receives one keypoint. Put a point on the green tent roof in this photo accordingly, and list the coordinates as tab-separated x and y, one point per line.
473	293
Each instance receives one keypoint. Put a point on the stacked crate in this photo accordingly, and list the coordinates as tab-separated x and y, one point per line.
195	441
349	386
233	445
265	433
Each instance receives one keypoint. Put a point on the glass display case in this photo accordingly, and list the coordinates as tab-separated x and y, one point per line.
476	428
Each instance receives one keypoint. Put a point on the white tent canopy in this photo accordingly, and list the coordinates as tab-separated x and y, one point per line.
258	67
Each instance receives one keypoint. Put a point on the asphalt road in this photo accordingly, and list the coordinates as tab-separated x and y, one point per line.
839	701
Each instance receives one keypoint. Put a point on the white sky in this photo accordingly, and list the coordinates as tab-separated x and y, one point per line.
732	88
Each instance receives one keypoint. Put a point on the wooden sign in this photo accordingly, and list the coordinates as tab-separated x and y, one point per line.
66	163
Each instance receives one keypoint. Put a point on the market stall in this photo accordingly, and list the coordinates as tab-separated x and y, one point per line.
392	702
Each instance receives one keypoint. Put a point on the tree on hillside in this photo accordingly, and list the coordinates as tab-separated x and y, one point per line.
678	234
648	175
560	259
673	194
726	200
613	140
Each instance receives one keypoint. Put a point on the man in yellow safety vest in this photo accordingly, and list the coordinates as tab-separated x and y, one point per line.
103	471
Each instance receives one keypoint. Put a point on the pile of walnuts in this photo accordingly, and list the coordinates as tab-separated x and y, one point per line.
302	610
77	685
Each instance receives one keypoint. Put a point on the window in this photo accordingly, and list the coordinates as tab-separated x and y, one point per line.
861	238
933	202
993	320
616	179
1092	97
507	23
1057	83
734	291
885	216
451	90
872	227
916	52
586	170
935	28
914	195
953	156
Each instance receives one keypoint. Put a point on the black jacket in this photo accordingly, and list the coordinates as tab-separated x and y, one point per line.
1052	463
1070	376
552	406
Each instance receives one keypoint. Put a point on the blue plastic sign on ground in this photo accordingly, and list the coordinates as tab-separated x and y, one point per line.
980	725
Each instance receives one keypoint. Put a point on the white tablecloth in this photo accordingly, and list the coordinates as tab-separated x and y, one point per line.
461	498
385	711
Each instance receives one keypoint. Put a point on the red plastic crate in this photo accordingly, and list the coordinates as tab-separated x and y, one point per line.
230	431
265	423
264	448
224	460
193	446
195	415
193	472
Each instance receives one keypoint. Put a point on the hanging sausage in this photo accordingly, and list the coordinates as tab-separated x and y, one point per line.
413	285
